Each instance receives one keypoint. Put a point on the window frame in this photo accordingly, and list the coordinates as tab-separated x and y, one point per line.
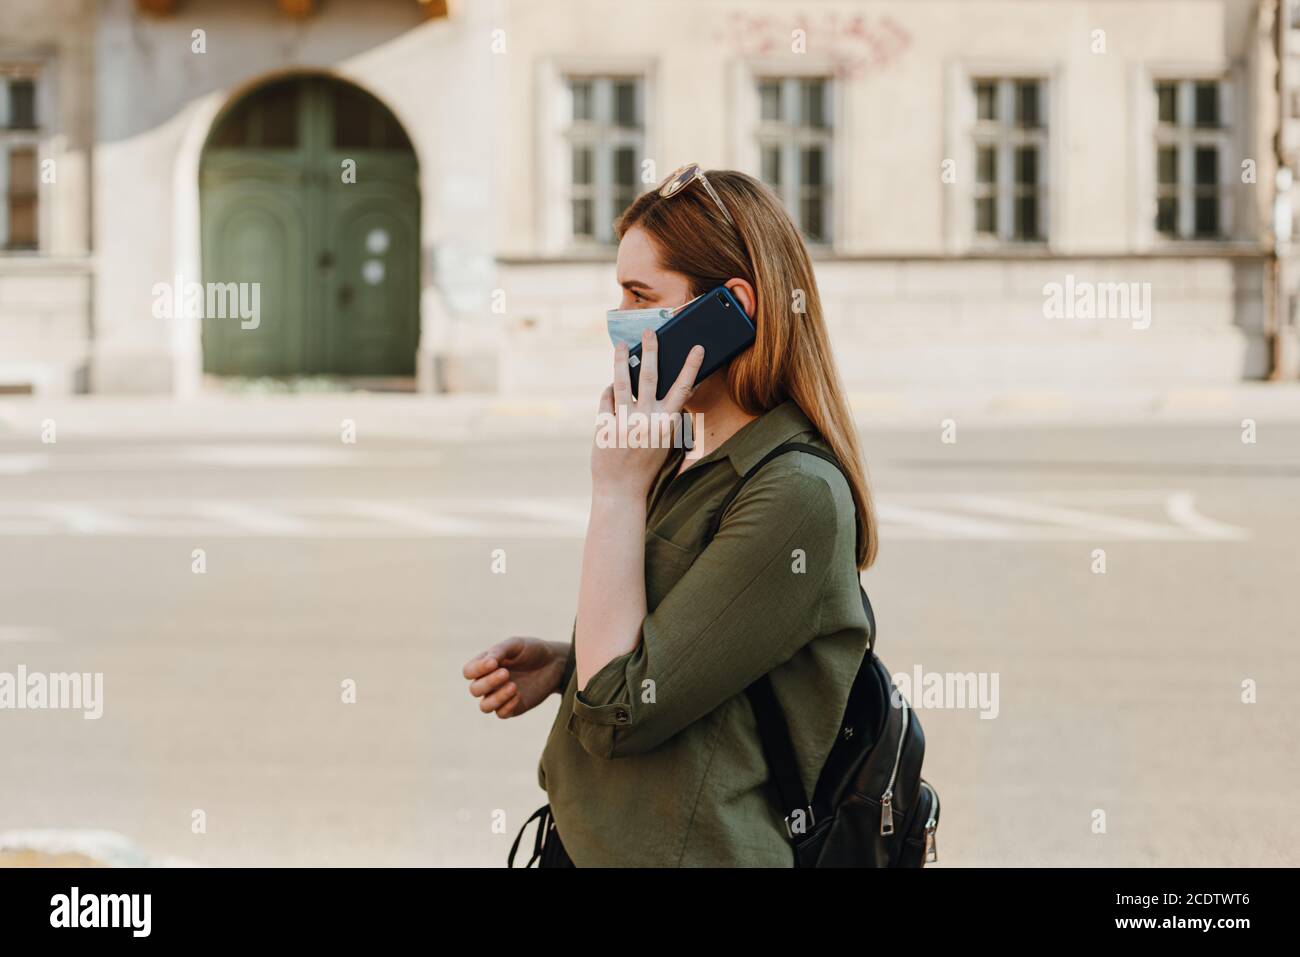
958	202
33	138
554	193
744	115
1185	138
1245	219
604	139
1005	137
791	136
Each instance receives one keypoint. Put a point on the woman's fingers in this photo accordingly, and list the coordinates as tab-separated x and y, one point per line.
478	667
498	698
685	382
510	708
503	651
489	683
647	386
622	380
606	401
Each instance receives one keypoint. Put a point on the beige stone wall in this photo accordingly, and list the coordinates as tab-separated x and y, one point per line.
947	317
908	298
45	296
898	119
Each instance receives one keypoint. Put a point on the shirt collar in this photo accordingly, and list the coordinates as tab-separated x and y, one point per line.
759	436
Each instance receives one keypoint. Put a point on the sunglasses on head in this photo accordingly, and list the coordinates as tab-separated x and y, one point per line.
688	174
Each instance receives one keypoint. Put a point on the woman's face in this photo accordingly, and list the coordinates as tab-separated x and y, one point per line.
645	283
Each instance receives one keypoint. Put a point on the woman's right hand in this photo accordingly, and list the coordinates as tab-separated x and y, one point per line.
516	675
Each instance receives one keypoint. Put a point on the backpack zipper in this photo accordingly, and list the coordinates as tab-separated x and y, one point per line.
931	825
887	799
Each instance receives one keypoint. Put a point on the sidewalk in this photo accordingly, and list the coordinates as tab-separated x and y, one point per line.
76	848
467	417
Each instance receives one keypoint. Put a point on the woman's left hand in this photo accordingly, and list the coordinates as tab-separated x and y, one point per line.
634	435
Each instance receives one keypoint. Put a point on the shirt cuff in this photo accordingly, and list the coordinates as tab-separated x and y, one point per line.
602	708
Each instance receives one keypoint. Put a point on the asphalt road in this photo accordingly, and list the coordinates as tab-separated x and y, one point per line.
1118	692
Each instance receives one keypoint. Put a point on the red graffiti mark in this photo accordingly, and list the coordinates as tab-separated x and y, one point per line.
855	46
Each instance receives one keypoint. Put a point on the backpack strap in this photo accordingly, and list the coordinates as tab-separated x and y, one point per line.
716	522
543	818
773	731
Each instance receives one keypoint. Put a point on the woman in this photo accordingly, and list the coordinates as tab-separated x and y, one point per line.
654	757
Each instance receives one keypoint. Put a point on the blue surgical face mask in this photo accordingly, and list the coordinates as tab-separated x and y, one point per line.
627	325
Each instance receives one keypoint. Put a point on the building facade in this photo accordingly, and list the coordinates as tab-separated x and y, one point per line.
996	192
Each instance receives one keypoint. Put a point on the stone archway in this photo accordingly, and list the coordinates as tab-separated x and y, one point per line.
309	196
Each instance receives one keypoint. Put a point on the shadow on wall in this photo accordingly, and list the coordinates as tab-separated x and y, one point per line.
143	89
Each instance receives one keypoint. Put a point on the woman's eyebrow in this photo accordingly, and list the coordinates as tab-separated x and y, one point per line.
634	284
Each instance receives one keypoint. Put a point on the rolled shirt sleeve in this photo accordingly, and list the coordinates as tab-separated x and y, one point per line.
747	603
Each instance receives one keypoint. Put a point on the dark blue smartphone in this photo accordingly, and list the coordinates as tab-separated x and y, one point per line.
715	321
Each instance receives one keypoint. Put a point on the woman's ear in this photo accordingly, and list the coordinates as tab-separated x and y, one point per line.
744	294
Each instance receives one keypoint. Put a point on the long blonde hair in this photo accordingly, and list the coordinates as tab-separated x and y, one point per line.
791	356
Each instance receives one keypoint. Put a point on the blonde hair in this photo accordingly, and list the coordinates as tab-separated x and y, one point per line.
791	356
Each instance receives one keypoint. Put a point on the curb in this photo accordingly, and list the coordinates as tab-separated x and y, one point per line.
467	417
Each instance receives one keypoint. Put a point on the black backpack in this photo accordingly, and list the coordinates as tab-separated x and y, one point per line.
871	807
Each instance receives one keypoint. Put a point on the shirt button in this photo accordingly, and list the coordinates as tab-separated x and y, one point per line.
621	716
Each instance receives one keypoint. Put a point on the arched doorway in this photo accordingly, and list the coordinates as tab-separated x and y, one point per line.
309	187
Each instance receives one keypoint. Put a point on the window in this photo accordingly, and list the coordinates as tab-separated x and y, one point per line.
604	142
22	104
267	119
794	149
18	158
362	122
1010	144
1190	151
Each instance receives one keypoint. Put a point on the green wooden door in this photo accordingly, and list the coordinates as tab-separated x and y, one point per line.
309	188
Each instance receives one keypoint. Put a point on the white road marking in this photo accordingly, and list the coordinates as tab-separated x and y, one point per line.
941	524
1107	496
268	521
1093	523
1181	509
413	519
265	456
1156	515
23	464
189	457
558	511
22	634
86	519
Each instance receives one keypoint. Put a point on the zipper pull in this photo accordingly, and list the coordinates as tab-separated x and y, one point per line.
887	813
931	845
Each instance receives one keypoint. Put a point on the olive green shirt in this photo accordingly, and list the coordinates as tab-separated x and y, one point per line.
657	761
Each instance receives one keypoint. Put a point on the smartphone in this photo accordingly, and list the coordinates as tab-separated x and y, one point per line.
715	321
